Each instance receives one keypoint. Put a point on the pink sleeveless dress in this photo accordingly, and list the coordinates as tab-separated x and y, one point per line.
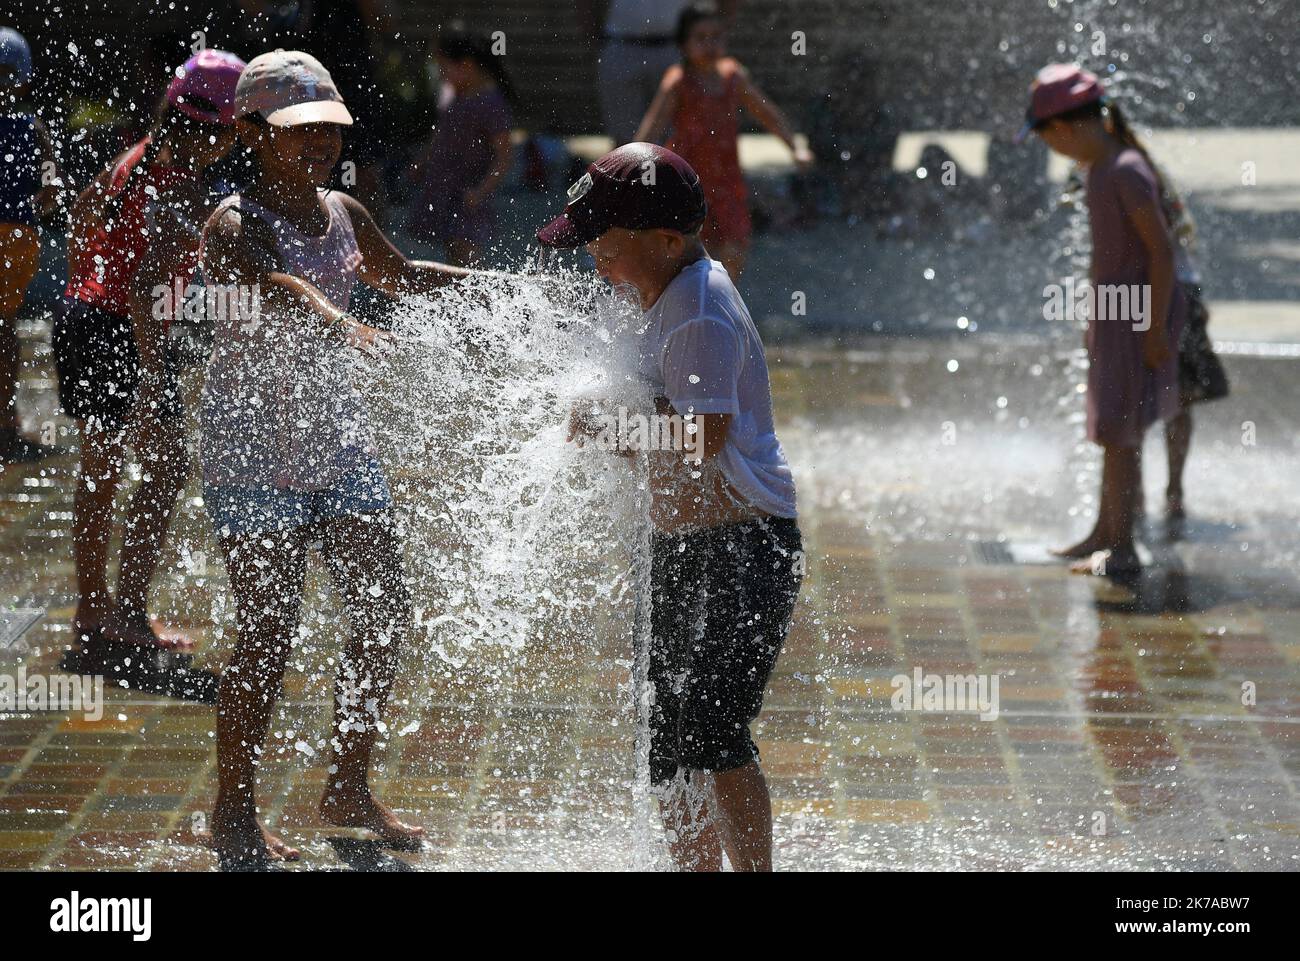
1124	396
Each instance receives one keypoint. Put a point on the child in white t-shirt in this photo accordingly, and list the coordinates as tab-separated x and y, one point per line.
727	552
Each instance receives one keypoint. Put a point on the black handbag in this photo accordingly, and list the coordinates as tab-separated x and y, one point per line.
1201	375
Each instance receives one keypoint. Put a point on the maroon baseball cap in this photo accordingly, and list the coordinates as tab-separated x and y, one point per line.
1059	88
639	186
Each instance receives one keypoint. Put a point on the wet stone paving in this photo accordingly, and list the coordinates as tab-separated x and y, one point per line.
1148	724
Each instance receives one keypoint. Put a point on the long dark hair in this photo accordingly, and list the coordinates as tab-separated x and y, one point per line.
1178	218
168	121
1108	110
1124	133
458	43
695	13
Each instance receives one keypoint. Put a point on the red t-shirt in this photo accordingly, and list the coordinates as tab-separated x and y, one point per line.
112	257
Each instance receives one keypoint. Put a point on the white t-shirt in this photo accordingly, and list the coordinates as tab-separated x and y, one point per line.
644	18
702	352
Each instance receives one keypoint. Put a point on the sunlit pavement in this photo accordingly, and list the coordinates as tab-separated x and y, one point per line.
1147	725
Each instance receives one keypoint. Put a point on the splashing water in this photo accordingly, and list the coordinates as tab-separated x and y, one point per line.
525	553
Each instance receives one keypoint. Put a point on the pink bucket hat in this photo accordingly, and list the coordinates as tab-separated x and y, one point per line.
1059	88
288	88
210	75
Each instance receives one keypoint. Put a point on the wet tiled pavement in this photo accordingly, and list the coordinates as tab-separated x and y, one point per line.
1123	738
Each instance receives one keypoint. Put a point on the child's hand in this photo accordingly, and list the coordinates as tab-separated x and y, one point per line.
1155	349
371	341
582	423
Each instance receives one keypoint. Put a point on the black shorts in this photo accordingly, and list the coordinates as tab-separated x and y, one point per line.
721	603
99	366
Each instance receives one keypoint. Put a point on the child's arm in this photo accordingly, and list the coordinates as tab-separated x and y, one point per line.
243	253
501	160
386	268
700	365
711	429
48	195
88	209
1151	229
769	115
172	241
85	217
663	108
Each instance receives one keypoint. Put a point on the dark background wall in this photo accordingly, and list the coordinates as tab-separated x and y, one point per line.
932	64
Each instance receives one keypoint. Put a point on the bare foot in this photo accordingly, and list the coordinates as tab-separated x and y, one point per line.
245	842
1110	561
1085	548
350	809
88	620
146	632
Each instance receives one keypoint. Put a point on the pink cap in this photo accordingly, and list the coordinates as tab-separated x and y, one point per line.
1059	88
210	75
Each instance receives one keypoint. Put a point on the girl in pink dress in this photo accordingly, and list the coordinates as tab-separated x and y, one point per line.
1132	353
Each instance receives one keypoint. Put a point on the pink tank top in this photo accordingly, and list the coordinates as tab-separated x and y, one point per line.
279	406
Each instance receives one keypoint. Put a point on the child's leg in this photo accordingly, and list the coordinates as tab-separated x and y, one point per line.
365	562
1121	484
745	813
685	797
695	843
753	583
266	576
1178	442
17	268
165	463
1121	475
8	374
19	258
92	523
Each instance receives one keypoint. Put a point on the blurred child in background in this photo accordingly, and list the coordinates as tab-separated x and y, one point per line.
1132	360
1201	376
470	152
701	99
135	231
25	195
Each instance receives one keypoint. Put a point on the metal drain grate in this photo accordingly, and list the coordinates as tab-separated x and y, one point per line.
14	624
993	553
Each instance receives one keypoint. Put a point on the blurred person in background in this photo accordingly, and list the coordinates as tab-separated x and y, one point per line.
25	195
469	154
638	45
136	231
701	98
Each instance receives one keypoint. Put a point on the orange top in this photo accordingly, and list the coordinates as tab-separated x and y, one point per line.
706	127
